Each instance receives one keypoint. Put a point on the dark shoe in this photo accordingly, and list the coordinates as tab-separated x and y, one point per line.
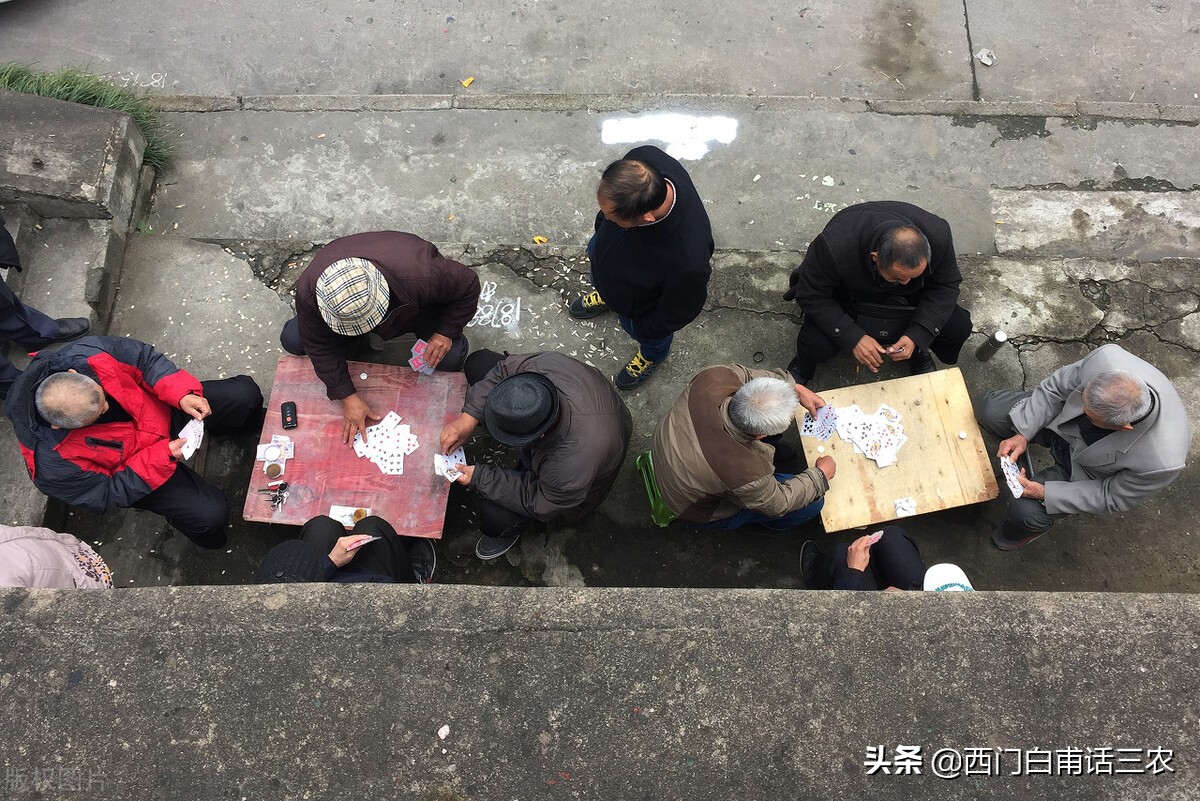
920	363
494	547
588	306
71	328
634	374
424	560
1002	540
801	373
808	562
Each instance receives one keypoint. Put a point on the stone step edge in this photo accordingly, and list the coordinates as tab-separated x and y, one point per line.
633	102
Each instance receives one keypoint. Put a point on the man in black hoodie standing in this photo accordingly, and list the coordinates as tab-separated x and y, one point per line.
650	256
880	280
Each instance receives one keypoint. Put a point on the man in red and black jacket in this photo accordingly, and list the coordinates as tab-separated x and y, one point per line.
98	425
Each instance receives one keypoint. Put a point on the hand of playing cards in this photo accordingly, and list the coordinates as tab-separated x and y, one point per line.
821	427
417	362
444	465
878	436
1011	474
388	442
193	432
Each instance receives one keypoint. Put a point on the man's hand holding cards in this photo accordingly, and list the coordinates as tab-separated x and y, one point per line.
1012	476
446	465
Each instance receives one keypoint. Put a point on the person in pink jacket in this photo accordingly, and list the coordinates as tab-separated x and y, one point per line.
31	556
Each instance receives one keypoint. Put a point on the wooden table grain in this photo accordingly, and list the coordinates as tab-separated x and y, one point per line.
935	467
327	472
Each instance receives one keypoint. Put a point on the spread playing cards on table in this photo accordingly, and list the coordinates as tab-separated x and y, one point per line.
877	436
388	442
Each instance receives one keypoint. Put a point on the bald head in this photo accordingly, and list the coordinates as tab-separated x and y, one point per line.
69	400
904	247
1116	398
630	189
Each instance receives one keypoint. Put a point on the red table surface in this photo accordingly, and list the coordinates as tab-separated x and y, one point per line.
326	472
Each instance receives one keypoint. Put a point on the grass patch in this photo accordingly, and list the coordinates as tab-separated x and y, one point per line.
92	90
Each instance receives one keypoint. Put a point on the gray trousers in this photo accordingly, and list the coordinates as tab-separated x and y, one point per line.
1025	515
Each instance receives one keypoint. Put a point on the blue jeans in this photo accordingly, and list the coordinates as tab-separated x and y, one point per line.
654	350
790	520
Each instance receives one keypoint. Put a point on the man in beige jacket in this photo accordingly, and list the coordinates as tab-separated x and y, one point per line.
713	451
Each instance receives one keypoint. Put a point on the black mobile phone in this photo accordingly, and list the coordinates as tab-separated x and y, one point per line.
288	410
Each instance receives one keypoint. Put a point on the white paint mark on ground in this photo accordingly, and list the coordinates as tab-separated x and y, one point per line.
496	312
685	136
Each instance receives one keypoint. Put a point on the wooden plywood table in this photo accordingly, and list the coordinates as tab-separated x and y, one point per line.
326	471
934	467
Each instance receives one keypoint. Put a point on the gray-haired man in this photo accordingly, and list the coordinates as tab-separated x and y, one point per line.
1115	426
713	460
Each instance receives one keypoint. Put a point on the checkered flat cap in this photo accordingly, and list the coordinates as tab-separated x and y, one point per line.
352	296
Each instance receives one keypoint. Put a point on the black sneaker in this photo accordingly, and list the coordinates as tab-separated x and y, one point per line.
588	306
494	547
424	560
1002	541
801	373
920	363
808	562
634	374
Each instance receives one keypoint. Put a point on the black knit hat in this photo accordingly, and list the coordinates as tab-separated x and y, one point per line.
521	408
290	562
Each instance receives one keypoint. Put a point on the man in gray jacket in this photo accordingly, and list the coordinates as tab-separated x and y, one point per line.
570	429
713	454
1115	426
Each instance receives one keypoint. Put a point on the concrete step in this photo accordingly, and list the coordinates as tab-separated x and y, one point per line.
73	269
491	694
21	503
68	160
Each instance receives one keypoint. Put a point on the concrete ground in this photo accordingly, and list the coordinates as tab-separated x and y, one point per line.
1067	171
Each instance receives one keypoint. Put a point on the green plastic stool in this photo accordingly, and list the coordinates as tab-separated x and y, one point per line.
659	512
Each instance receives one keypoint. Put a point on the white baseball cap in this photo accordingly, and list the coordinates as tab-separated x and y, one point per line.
947	578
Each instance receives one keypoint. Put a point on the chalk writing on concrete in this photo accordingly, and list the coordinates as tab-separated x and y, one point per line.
494	312
140	80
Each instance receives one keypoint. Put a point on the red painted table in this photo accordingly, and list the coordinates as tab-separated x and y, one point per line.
326	472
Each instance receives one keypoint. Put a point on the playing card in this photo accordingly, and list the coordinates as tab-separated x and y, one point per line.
888	413
874	538
416	363
1011	471
419	348
193	432
905	507
443	466
808	426
826	422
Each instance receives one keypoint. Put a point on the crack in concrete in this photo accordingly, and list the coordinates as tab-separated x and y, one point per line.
1081	114
975	92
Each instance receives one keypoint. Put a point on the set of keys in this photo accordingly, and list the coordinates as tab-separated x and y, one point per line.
277	492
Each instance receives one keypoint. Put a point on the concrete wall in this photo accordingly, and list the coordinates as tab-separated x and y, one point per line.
481	693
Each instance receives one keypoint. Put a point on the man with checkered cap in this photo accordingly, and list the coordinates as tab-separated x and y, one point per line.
364	289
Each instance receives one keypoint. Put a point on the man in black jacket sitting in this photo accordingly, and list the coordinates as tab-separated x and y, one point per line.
650	255
880	280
